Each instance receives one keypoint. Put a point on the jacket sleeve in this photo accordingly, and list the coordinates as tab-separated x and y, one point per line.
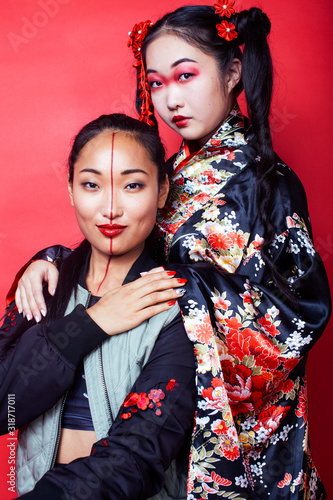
33	359
55	254
152	425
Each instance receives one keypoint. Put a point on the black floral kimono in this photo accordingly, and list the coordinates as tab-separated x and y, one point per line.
250	439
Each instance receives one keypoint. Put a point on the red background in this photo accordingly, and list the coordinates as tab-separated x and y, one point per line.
65	62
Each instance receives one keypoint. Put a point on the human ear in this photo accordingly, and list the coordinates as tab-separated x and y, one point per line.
163	192
234	74
70	190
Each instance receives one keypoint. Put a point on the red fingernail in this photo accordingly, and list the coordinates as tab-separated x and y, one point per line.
171	273
182	281
171	303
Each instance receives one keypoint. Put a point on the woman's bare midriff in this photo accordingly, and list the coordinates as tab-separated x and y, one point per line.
75	444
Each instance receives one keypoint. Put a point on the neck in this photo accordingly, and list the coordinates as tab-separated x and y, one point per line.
108	272
201	142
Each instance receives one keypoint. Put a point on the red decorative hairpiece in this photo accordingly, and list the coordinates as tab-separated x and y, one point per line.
224	29
137	37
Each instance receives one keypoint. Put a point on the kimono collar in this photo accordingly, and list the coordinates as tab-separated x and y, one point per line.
229	136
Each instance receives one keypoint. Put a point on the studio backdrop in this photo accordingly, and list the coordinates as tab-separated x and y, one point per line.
65	62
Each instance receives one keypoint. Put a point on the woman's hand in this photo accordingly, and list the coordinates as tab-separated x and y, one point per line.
127	306
29	296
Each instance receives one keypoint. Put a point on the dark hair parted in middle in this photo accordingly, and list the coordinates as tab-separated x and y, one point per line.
147	136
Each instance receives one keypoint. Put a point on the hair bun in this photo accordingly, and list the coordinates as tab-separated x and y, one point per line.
262	20
250	23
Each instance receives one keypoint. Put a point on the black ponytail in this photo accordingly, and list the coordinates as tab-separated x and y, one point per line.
253	27
197	26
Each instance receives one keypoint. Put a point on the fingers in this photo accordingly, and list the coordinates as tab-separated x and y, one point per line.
18	300
24	304
31	296
159	280
151	311
159	297
152	286
51	277
152	271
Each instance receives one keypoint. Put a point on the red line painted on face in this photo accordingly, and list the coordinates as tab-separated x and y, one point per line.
111	171
111	213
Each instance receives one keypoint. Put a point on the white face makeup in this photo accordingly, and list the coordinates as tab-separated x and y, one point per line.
115	194
186	88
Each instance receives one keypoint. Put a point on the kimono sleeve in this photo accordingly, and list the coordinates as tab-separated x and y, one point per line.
257	329
257	325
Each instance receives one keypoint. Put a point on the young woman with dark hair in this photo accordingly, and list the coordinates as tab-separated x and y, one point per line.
103	415
264	300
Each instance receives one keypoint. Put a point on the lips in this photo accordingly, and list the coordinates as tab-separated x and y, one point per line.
111	230
180	121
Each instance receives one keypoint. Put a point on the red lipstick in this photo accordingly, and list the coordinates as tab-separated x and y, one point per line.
111	230
180	121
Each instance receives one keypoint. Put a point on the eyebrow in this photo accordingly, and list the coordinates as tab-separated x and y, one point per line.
133	171
176	63
91	170
125	172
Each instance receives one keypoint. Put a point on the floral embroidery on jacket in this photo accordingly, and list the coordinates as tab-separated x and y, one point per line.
134	401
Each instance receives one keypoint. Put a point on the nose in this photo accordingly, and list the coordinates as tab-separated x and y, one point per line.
112	204
174	97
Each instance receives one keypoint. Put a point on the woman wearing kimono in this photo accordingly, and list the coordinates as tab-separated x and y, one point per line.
257	298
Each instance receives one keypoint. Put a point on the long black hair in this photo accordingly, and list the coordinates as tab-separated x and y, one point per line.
148	138
196	24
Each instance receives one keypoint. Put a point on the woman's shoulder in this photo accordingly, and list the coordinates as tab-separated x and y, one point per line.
289	193
289	188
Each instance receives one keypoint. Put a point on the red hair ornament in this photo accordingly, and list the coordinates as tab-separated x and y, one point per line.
136	38
224	29
224	8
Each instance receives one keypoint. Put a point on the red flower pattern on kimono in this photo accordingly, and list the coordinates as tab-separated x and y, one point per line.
201	198
219	427
286	386
250	342
286	481
204	332
245	391
219	241
237	239
229	448
302	407
271	418
220	480
268	326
